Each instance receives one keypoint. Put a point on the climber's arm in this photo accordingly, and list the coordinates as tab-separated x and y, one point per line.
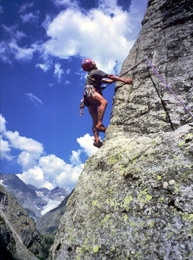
107	81
116	78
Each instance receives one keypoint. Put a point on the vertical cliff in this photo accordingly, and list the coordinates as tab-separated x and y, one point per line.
134	198
19	238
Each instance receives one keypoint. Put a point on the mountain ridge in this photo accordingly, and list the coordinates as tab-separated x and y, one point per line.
19	237
33	199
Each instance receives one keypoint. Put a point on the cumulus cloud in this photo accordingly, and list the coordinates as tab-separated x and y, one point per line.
5	149
52	171
75	157
29	150
86	142
24	143
96	34
2	124
106	32
5	146
40	169
27	160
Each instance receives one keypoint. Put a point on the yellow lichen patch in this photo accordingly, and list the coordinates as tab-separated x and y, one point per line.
148	197
107	217
96	203
180	144
188	217
161	199
114	159
159	177
95	248
78	257
151	223
127	200
189	137
144	196
125	217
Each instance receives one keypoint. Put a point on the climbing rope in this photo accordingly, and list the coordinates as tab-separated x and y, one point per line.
162	101
168	87
123	74
149	64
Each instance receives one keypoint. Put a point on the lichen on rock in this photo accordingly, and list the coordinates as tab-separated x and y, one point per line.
134	198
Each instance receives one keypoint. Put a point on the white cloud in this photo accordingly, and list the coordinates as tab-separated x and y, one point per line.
5	149
10	49
25	6
19	52
13	32
86	142
75	157
31	149
68	71
52	171
58	72
67	82
66	3
4	144
44	67
51	164
30	17
69	176
27	160
96	35
34	176
2	124
24	143
40	169
35	100
4	52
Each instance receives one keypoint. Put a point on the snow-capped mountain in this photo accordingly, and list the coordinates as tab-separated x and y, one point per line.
37	201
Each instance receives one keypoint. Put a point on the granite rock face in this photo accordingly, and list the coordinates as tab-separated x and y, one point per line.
19	238
134	198
166	34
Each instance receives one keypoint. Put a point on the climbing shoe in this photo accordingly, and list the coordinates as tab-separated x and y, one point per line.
98	144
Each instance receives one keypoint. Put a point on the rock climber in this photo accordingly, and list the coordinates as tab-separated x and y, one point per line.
93	98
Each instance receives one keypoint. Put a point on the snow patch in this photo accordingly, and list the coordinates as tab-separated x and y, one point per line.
50	205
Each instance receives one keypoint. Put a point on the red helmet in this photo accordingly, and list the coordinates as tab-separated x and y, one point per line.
87	64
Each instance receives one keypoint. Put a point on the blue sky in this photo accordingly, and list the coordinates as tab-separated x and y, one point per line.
43	138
